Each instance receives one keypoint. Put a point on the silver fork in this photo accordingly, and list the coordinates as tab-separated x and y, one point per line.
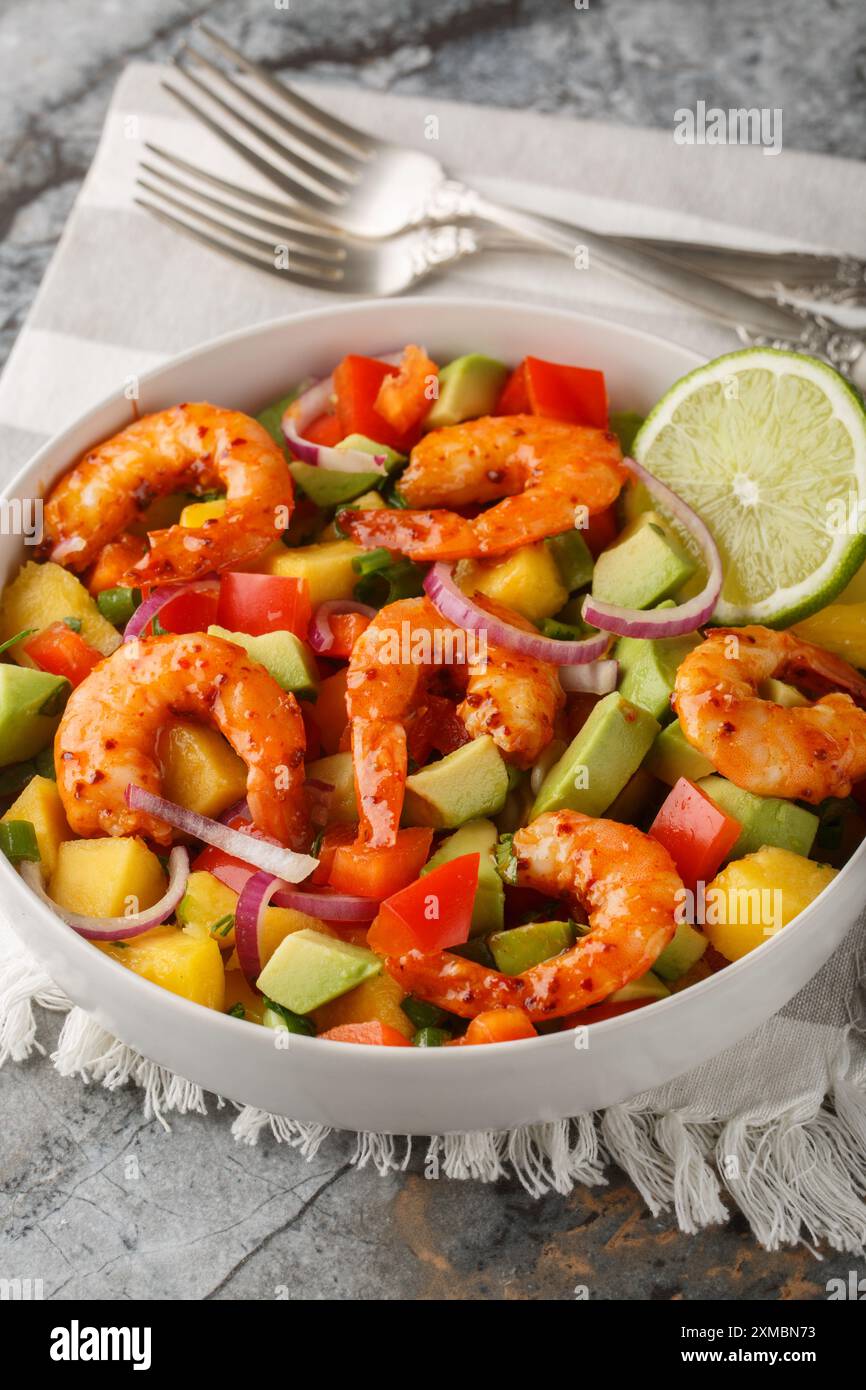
278	240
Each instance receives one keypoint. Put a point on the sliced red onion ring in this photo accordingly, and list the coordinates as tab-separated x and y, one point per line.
249	915
664	622
325	903
119	928
453	604
282	863
308	407
240	809
595	678
147	611
320	634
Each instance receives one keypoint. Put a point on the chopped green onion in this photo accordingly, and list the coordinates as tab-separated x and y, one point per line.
276	1016
19	637
422	1014
506	863
431	1037
237	1010
372	561
18	841
223	926
212	495
74	624
118	604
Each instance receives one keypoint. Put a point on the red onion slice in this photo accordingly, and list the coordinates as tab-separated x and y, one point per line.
274	859
320	635
308	407
453	604
119	928
255	896
595	678
155	602
325	903
664	622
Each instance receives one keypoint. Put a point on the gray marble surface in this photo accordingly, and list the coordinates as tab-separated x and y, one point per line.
94	1200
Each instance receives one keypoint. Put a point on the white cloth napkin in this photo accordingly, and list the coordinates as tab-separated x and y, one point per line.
779	1121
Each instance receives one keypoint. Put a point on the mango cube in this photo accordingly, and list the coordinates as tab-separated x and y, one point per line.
40	804
327	568
186	965
113	877
197	513
44	594
239	991
841	629
753	898
375	1001
528	581
199	769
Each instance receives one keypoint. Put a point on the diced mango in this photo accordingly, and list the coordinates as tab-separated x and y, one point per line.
197	513
45	594
327	568
527	581
337	771
330	711
240	991
187	965
841	629
40	804
207	902
113	877
755	897
373	1001
199	769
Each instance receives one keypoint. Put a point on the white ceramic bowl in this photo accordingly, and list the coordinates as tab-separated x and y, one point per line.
394	1089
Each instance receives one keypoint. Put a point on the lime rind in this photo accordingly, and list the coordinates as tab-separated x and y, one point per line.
782	560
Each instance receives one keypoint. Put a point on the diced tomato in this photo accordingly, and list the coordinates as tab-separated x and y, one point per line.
375	1034
347	628
514	399
258	603
697	835
330	710
432	914
357	381
63	652
499	1025
193	611
405	399
334	836
376	872
325	430
557	391
600	531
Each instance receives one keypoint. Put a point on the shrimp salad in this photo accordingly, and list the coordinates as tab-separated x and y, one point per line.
397	715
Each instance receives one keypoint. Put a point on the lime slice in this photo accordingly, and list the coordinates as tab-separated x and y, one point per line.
769	448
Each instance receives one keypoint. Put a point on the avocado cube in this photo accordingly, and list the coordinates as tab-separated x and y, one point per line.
685	948
476	836
468	387
672	757
648	670
468	783
520	948
327	488
600	759
765	820
309	969
788	696
337	772
649	986
285	656
645	565
31	703
573	559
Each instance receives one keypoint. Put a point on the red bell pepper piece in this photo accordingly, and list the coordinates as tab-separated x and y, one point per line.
403	400
696	833
193	611
325	430
557	391
258	603
356	382
63	652
377	872
431	915
375	1034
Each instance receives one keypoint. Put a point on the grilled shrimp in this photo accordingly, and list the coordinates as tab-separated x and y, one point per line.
630	890
108	735
187	446
543	469
808	752
511	697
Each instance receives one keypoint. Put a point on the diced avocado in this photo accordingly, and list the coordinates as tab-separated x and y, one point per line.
468	783
31	703
337	772
672	757
600	759
522	947
788	696
648	670
685	948
765	820
573	559
639	799
468	387
288	659
364	445
327	488
644	565
649	986
476	836
625	425
308	969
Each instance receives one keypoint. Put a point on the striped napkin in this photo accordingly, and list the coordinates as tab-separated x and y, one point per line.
776	1125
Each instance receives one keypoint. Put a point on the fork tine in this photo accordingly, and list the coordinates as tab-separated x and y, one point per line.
274	205
325	250
323	270
324	159
358	142
333	188
314	282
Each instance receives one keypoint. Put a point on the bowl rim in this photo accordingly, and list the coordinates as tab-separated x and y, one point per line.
101	964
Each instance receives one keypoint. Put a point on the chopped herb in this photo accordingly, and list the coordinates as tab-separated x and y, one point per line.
223	926
422	1014
237	1010
73	623
212	495
118	945
19	637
